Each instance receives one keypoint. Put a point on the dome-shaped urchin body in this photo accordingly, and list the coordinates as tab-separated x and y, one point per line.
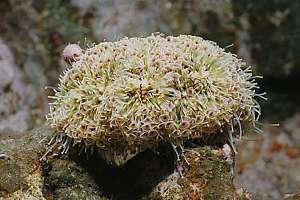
137	92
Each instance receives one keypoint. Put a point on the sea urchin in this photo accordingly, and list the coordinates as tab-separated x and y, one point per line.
126	96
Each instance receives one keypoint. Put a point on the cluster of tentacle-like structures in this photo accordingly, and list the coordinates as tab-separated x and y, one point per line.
130	95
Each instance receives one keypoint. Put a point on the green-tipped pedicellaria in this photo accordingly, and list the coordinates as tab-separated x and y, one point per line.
130	95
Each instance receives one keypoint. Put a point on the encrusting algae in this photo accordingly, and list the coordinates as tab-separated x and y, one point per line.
123	97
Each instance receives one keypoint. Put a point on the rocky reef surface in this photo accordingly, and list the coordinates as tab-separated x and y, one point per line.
205	174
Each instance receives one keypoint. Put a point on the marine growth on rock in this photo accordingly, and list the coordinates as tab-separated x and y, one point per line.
123	97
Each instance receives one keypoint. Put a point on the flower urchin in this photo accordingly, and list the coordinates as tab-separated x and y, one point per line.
130	95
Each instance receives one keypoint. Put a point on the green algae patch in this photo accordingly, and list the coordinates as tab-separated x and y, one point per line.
11	178
211	173
204	175
20	165
68	180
